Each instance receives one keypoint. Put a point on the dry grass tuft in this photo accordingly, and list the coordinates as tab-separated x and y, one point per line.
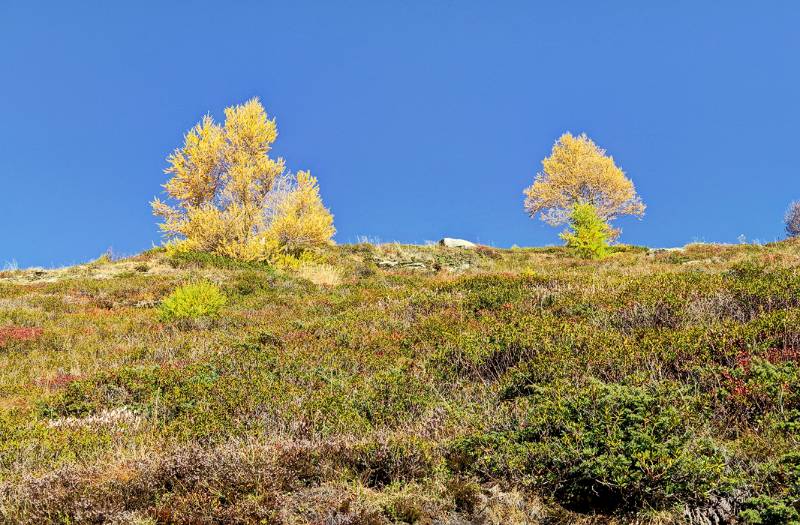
320	274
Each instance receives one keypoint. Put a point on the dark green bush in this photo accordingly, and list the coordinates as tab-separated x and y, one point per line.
756	387
766	510
604	447
781	502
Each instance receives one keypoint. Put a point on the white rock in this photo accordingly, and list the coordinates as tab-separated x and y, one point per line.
456	243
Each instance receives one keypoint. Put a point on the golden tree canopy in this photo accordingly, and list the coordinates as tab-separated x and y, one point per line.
579	172
223	183
301	220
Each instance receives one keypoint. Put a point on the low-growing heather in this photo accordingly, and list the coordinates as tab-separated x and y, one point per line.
405	384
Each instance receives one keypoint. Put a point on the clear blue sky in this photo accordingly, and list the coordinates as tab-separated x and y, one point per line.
420	118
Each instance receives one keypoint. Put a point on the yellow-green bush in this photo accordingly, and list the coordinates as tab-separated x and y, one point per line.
588	234
192	301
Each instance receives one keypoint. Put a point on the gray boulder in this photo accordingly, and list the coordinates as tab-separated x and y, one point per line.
456	243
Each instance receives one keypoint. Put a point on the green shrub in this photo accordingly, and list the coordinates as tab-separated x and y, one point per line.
197	259
491	292
589	234
393	396
782	504
766	510
192	301
249	282
603	448
756	387
638	446
759	288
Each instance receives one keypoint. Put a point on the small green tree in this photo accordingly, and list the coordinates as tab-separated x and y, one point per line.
588	234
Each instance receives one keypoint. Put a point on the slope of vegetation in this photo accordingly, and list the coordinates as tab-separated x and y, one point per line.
406	384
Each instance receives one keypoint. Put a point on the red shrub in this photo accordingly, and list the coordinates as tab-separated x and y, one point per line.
18	333
782	355
750	393
61	380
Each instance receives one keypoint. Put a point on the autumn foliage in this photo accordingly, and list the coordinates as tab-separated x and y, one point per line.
226	197
579	172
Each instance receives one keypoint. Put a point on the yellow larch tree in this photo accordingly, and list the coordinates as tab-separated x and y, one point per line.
579	172
222	180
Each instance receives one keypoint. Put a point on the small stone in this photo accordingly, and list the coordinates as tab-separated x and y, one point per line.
456	243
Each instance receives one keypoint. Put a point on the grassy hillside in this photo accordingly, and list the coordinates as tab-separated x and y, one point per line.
407	384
